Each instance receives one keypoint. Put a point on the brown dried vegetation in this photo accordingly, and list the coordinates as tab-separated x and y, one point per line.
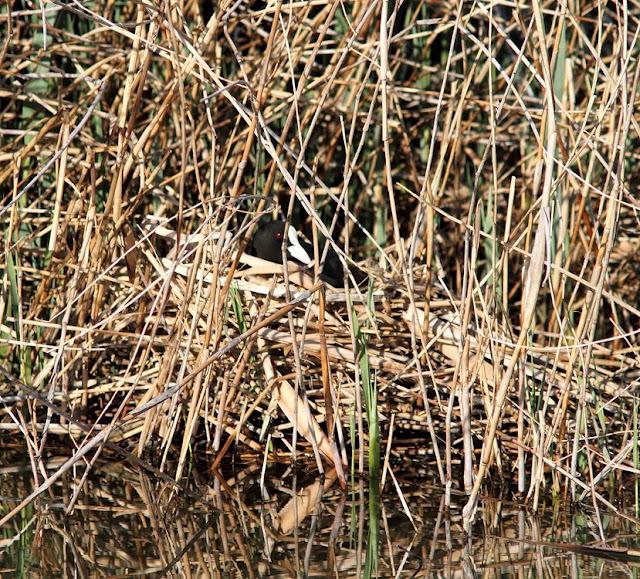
478	162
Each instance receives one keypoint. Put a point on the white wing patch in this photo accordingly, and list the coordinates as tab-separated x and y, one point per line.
296	250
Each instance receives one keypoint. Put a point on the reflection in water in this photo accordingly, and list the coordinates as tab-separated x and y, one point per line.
371	562
126	522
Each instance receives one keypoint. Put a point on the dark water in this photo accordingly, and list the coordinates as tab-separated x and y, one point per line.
126	523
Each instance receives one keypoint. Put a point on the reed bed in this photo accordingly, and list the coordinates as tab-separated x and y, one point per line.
477	160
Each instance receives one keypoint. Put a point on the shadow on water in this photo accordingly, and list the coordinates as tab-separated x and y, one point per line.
127	523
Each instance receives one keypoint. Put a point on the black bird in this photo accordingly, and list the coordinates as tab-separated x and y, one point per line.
267	244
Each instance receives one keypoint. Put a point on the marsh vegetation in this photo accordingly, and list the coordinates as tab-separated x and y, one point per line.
476	160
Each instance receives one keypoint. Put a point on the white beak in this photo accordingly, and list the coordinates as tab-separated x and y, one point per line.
296	250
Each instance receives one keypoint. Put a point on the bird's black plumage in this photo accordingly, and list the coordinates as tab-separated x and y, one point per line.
267	244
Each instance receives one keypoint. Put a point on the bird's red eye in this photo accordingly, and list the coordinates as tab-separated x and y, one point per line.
279	235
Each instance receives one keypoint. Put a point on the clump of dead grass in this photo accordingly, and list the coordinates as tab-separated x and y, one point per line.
479	160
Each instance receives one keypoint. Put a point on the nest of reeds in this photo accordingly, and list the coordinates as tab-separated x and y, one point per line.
296	346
